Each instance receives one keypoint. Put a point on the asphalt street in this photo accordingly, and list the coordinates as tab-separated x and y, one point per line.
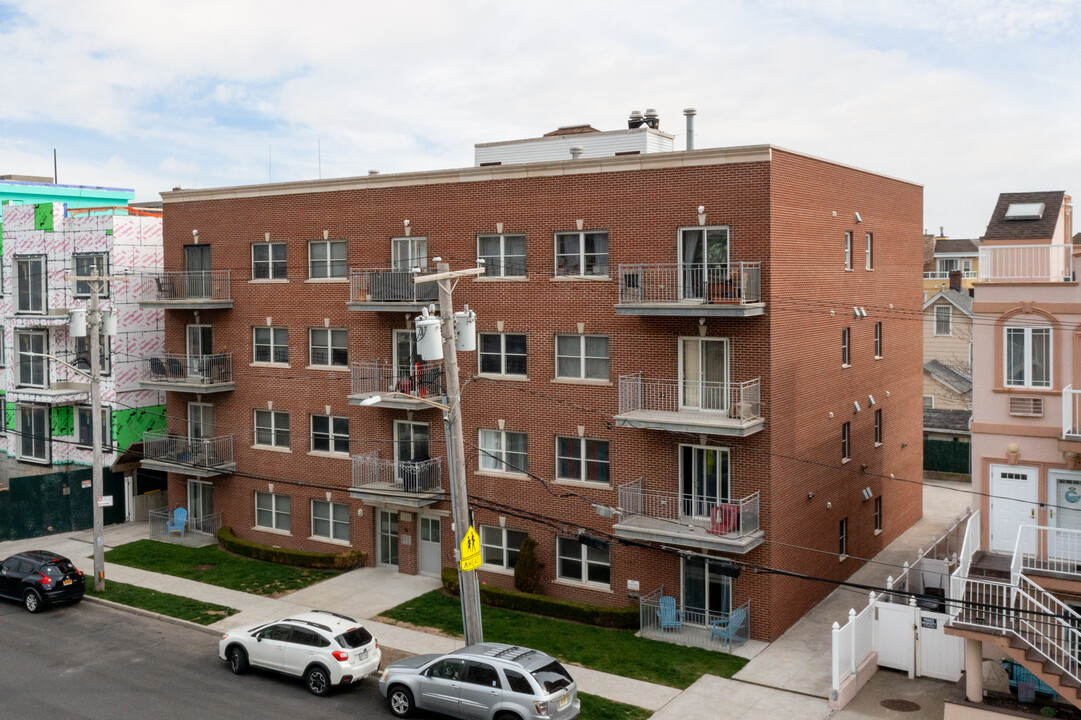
89	661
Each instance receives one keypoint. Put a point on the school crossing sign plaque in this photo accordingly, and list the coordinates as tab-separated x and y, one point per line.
470	551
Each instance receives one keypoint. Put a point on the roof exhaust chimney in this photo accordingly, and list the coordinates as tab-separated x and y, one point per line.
690	113
373	172
635	121
576	152
652	119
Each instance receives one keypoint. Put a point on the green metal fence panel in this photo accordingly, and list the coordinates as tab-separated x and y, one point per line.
57	502
951	456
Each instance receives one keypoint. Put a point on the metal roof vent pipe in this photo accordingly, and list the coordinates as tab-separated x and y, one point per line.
653	120
690	113
576	152
635	121
373	172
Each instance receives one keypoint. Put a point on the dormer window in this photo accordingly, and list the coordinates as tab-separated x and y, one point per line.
1025	211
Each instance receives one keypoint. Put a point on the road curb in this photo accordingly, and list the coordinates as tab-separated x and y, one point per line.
150	614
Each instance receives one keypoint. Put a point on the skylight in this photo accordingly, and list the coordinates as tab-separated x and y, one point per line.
1024	211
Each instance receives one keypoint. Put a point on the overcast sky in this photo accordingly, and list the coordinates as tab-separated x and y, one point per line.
968	97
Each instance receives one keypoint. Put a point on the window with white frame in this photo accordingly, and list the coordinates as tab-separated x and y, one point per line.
878	427
848	251
327	259
499	546
582	254
33	424
579	458
30	284
878	514
329	347
84	429
929	402
268	261
271	344
943	320
82	354
502	354
842	538
846	433
84	265
32	370
330	520
3	352
846	346
579	562
582	356
503	255
503	451
878	339
272	428
330	434
272	511
1028	357
870	251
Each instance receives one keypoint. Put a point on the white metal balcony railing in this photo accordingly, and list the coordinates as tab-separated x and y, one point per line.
738	518
398	475
945	275
735	283
1048	550
1071	413
194	370
198	530
1026	263
423	379
188	451
694	626
390	285
740	401
204	285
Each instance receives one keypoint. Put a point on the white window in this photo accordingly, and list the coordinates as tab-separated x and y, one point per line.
503	451
502	354
271	344
870	251
330	520
878	340
1028	357
582	356
84	429
943	320
329	347
330	434
503	255
3	355
82	354
272	428
579	562
272	511
848	251
583	459
842	545
32	370
30	284
929	402
84	265
268	261
878	514
582	253
846	346
499	546
878	427
846	434
407	253
327	259
33	423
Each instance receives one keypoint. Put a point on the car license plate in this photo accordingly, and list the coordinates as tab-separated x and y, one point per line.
362	654
564	700
67	581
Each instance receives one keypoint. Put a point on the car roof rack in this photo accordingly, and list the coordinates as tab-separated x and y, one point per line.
337	615
308	622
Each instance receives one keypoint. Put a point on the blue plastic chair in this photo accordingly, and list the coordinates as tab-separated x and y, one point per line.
727	629
668	616
179	521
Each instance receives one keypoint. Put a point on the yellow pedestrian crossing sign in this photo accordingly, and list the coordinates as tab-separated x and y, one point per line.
470	550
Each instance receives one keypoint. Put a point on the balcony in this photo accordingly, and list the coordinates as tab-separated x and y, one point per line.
423	380
708	408
198	531
389	290
200	457
398	482
199	290
194	373
55	393
1026	263
678	519
694	627
695	290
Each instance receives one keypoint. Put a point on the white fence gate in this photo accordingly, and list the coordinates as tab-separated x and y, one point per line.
940	655
895	637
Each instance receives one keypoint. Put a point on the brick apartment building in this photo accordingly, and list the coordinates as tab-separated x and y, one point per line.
660	334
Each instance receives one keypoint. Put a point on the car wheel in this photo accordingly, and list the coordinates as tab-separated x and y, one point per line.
238	660
318	680
400	701
31	601
507	716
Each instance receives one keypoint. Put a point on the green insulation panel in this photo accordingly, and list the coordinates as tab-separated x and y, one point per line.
43	217
62	421
129	425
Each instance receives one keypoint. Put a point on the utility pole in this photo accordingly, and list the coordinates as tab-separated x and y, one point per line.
93	326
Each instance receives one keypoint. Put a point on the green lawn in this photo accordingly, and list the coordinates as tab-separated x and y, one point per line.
595	707
216	567
163	603
613	651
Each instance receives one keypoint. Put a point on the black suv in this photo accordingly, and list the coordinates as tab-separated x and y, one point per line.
39	578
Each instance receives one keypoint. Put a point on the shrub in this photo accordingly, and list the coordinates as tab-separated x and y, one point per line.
527	570
301	558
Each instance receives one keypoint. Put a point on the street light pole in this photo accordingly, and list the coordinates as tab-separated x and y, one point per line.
93	326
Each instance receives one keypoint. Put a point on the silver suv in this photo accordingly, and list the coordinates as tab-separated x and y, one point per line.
489	681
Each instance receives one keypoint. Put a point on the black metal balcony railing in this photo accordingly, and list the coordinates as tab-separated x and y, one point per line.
390	285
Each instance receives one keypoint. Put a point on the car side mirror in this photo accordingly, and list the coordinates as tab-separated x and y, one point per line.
258	638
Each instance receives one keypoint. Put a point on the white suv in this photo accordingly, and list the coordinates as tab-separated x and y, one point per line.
324	648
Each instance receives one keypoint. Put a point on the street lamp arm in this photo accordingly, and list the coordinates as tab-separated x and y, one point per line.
69	366
395	395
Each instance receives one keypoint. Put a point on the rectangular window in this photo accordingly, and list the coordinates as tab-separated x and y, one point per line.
30	360
929	402
842	544
846	430
943	320
1028	357
84	430
503	255
33	442
82	354
582	254
272	428
503	451
870	251
499	546
330	434
878	339
878	427
84	265
272	511
878	514
3	358
330	520
582	356
582	459
848	251
582	563
502	354
271	344
329	347
30	284
327	259
268	261
846	346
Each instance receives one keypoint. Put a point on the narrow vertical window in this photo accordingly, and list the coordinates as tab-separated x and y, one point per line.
878	514
878	340
846	336
848	251
870	251
878	427
846	430
842	544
